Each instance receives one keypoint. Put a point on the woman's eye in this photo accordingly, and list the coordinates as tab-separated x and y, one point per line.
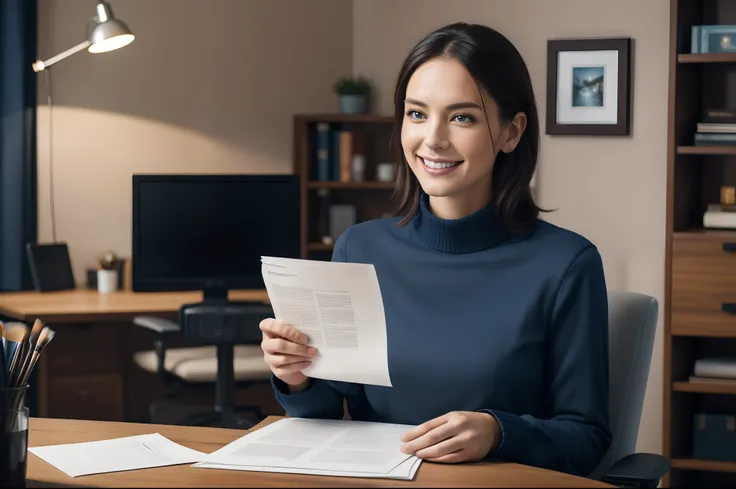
464	119
413	114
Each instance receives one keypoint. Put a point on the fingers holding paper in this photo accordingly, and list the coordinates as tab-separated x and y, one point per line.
459	436
286	351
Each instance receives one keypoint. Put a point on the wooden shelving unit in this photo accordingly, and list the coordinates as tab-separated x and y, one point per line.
706	150
371	198
700	264
703	465
707	58
705	387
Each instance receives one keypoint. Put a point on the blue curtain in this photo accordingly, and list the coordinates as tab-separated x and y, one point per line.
18	207
18	214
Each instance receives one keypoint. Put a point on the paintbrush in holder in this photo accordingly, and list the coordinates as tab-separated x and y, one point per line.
21	348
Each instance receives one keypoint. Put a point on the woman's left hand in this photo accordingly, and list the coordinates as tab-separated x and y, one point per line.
459	436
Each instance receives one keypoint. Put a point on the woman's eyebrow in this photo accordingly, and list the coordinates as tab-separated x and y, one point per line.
455	106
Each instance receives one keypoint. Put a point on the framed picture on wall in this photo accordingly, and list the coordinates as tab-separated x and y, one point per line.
588	86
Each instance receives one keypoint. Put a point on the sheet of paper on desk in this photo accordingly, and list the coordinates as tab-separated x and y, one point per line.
404	471
116	455
340	308
319	447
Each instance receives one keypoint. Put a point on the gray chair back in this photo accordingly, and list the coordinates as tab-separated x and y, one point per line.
632	324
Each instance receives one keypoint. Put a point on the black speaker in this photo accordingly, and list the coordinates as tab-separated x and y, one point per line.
51	267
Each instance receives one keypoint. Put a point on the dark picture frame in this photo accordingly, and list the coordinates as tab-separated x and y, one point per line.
589	86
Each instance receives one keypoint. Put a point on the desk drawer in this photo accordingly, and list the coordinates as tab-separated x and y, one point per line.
94	397
703	285
85	350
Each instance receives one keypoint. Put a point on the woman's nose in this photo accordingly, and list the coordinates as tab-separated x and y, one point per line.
436	137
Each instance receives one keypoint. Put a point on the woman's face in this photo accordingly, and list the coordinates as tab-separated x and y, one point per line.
445	134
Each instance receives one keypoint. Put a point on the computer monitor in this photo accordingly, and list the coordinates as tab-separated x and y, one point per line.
208	232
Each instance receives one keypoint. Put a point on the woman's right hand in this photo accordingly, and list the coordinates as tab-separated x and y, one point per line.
286	351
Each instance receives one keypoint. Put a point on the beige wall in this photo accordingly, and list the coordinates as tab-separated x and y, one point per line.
611	190
207	86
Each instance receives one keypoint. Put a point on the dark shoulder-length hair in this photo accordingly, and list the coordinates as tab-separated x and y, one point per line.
496	66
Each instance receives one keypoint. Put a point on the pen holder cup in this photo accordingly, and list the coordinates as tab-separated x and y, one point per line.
107	281
13	437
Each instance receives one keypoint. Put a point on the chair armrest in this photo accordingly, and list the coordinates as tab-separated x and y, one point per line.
638	470
157	325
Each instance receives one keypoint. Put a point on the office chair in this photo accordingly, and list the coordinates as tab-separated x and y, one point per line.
228	352
632	326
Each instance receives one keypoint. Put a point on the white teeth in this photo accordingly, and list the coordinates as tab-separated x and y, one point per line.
437	165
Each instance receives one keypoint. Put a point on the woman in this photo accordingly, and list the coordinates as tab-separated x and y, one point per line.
496	320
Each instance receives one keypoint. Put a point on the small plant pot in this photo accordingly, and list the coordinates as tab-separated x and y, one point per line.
353	104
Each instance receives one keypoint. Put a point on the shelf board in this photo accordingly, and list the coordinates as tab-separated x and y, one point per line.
352	185
706	150
706	387
703	465
319	247
702	233
707	58
703	334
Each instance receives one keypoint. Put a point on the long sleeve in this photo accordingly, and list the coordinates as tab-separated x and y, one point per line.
325	399
575	435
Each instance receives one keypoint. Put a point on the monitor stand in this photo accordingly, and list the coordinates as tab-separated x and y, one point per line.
214	294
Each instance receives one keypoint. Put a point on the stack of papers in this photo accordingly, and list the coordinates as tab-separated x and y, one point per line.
116	455
320	447
340	308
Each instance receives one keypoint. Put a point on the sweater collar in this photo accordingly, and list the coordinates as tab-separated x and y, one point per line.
468	234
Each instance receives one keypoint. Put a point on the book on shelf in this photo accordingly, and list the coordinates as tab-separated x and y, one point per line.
715	139
715	367
717	128
711	380
716	217
340	153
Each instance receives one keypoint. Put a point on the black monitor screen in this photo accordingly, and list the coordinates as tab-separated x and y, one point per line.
195	231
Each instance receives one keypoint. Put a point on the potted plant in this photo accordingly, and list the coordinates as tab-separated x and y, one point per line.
354	94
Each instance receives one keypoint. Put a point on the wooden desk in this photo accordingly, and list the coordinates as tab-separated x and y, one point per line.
54	432
87	372
86	306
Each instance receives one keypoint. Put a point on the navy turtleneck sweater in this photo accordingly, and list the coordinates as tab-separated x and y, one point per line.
481	321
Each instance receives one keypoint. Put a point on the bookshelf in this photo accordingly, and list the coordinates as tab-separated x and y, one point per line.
334	190
700	278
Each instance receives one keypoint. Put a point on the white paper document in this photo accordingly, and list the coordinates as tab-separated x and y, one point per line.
340	308
320	447
116	455
404	471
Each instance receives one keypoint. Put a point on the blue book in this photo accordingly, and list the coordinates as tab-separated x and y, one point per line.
323	152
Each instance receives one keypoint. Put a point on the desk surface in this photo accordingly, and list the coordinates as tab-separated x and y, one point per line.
57	431
83	305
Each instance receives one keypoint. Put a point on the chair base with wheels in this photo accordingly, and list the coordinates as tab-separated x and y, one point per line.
230	357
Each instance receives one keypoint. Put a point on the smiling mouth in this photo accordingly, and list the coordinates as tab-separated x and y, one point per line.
439	165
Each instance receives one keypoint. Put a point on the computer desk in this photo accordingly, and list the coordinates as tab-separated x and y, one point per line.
87	372
53	432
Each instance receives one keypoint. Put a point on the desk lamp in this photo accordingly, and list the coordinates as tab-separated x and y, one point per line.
108	34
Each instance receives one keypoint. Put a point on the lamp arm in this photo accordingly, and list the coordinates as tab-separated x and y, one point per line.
42	65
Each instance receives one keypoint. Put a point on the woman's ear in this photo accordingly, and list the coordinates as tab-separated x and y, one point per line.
514	131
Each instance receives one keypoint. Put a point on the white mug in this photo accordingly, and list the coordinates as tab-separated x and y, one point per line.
107	281
385	172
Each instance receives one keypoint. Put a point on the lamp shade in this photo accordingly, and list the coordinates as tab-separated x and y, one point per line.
108	33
